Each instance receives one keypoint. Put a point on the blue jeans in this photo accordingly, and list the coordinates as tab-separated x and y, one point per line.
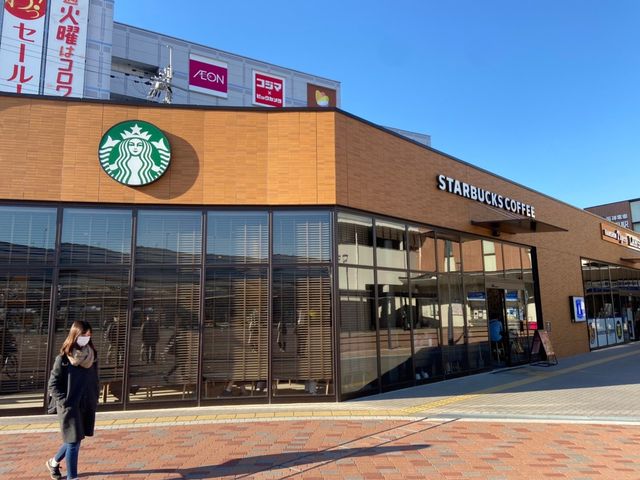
70	452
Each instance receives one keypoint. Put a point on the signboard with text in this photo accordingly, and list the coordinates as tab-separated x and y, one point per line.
268	90
613	235
21	45
208	76
578	309
66	48
618	213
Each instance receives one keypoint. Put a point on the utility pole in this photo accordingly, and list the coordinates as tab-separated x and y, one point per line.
161	83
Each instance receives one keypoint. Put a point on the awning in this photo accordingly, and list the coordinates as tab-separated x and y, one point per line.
519	225
630	259
499	221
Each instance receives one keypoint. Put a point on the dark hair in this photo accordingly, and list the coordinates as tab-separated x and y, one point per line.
79	327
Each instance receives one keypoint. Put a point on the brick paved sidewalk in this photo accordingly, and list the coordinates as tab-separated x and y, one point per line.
341	449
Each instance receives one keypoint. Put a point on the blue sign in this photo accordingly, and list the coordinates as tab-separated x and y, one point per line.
578	309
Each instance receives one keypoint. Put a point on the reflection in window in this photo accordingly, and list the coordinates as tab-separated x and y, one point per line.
96	236
426	326
169	237
476	304
492	253
100	298
453	324
358	357
394	320
449	256
512	261
24	325
237	237
301	237
235	333
391	247
302	359
27	235
169	296
355	239
422	249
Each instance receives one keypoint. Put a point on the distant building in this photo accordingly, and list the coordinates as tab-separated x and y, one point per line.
625	213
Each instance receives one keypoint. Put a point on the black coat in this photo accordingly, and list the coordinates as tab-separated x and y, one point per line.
76	391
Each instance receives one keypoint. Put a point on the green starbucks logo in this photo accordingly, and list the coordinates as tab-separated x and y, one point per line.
134	153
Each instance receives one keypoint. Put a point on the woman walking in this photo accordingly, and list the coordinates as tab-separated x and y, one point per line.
74	387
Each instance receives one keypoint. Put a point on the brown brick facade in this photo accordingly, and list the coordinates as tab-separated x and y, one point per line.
48	152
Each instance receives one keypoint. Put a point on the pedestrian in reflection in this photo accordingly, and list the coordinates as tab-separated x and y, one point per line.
150	335
74	390
115	338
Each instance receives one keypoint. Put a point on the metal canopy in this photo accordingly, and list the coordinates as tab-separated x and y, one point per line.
518	225
630	259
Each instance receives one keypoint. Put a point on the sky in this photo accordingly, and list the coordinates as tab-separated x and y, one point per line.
545	93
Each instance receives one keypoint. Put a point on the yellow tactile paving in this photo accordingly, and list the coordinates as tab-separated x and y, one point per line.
206	417
241	416
265	415
186	418
165	419
532	377
227	416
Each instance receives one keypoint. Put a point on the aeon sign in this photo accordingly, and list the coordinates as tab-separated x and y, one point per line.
208	76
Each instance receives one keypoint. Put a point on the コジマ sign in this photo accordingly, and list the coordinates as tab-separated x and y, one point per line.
268	90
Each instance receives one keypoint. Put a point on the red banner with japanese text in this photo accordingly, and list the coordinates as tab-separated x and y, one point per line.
66	48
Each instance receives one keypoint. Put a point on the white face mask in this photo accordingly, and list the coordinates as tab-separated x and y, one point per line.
83	340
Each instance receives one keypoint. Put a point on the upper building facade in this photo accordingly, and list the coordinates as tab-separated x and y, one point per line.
625	213
74	48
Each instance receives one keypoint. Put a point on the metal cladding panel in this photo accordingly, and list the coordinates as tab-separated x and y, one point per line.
99	46
143	47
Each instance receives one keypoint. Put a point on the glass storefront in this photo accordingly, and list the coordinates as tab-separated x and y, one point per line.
202	306
612	300
413	304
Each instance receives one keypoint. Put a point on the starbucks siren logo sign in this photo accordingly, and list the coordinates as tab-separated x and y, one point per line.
134	153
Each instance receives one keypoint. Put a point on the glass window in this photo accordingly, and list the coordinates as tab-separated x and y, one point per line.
448	251
453	322
358	357
394	320
422	249
302	360
391	246
169	237
476	303
301	237
170	297
96	236
27	235
512	261
100	298
355	239
24	325
234	237
427	340
529	291
635	211
492	252
235	333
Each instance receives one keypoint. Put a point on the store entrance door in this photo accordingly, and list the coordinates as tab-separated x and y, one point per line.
508	332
